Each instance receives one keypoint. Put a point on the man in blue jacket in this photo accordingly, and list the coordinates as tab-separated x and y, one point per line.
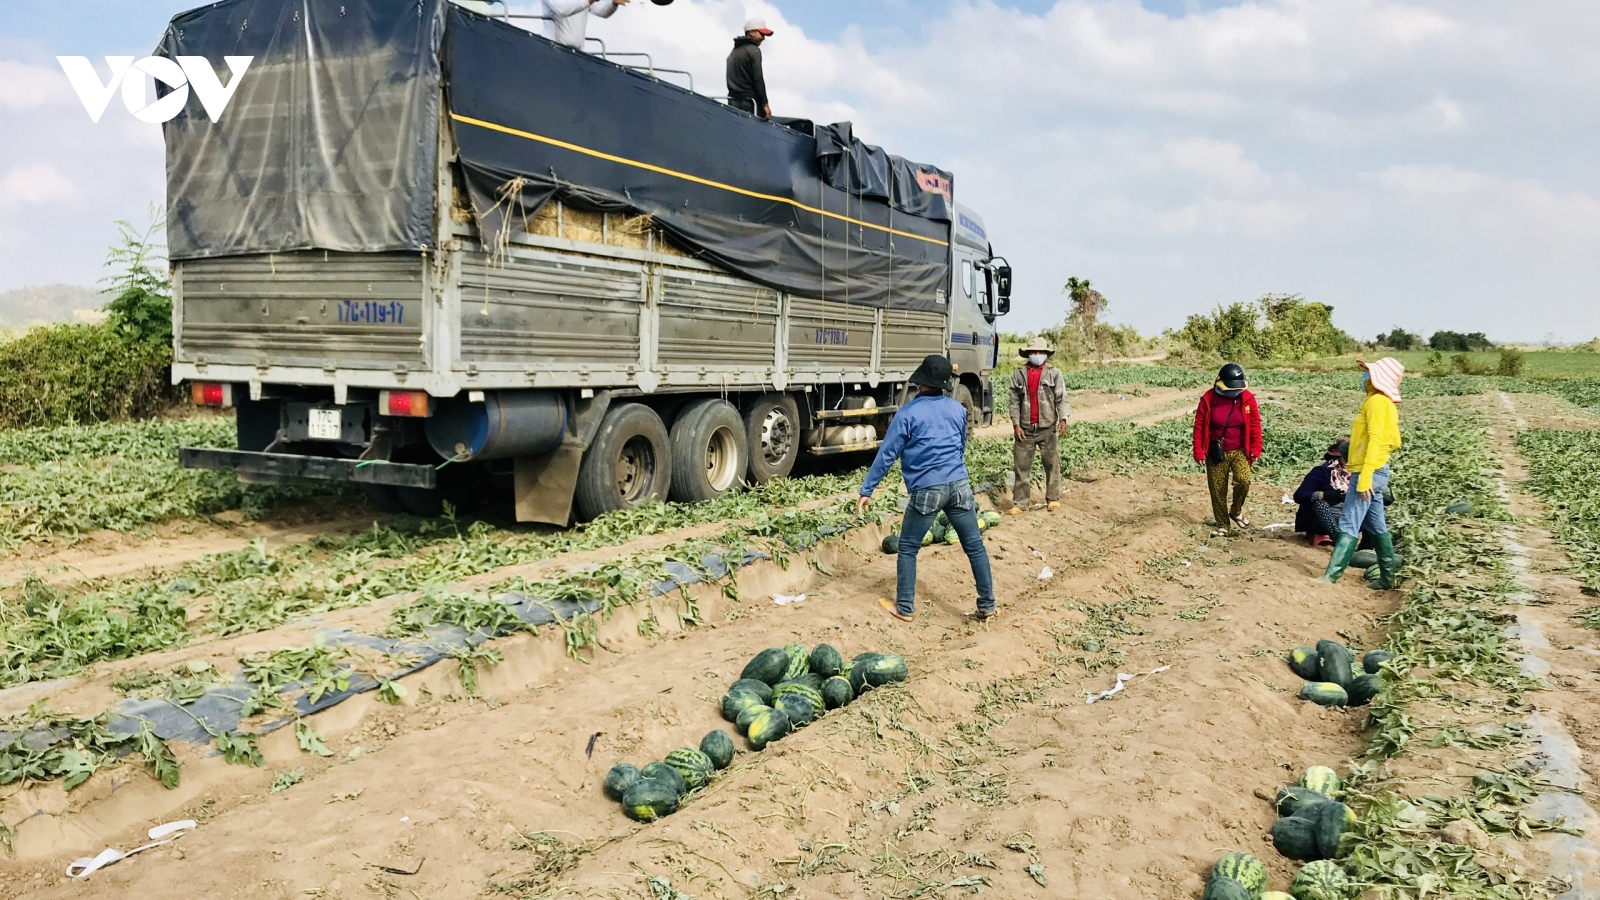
929	437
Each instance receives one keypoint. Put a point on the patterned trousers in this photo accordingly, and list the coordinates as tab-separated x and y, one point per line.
1235	465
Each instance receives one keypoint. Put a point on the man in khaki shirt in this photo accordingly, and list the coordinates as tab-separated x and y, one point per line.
1039	413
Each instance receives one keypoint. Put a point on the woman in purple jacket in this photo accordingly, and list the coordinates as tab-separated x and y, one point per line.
1321	496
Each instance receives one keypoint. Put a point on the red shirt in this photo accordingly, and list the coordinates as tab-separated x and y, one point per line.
1034	374
1227	422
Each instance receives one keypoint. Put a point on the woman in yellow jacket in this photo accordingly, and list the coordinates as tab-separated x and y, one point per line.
1374	435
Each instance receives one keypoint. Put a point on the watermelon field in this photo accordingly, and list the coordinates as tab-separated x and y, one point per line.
353	705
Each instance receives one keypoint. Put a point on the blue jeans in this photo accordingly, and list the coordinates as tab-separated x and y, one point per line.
1365	515
961	508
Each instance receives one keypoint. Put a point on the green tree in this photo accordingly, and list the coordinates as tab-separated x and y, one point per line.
1087	303
141	308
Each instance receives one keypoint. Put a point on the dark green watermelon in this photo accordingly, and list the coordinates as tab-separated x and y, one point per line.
1334	661
1303	661
648	800
858	671
836	692
619	779
1363	688
1374	660
1224	888
826	661
1291	798
1329	821
798	708
759	688
748	716
735	702
886	669
1324	693
769	666
1295	838
718	748
768	727
665	774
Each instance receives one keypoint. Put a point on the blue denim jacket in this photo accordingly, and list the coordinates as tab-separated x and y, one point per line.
929	437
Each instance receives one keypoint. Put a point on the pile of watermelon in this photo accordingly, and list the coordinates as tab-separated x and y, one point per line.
784	688
658	789
1329	669
942	531
1312	824
1240	876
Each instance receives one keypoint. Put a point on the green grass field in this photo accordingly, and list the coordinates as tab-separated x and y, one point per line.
1543	364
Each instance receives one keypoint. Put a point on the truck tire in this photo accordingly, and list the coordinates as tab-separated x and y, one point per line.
628	463
709	453
772	434
964	396
384	496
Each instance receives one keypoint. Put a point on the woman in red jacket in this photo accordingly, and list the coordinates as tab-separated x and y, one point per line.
1227	440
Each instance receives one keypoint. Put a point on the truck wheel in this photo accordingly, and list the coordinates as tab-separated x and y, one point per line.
709	454
629	463
964	396
384	496
772	432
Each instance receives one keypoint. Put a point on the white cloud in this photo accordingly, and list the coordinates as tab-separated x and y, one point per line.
34	185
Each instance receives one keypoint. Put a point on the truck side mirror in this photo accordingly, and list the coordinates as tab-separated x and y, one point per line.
1002	280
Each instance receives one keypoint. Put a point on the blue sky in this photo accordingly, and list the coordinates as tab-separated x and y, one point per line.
1427	163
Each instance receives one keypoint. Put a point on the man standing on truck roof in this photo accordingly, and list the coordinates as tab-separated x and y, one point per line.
567	21
929	437
747	86
1039	414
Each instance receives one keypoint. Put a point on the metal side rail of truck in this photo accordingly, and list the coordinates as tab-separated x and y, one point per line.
441	257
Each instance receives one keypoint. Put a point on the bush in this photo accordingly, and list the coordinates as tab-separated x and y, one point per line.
1401	339
1512	362
1277	326
1466	365
1454	341
117	369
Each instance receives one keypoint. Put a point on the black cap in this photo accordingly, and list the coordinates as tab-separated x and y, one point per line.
934	372
1231	377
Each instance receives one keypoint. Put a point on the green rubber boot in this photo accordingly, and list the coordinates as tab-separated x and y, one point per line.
1343	549
1388	562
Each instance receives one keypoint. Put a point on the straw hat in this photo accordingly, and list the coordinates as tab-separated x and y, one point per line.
1036	345
1386	374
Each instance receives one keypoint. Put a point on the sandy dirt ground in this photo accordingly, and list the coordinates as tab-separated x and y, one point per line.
986	762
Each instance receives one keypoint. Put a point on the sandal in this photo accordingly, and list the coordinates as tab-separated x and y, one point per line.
893	610
982	616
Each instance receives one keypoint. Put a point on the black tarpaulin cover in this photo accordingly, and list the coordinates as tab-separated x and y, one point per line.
329	142
534	120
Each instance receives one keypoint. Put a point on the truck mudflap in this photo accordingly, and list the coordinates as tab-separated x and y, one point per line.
284	466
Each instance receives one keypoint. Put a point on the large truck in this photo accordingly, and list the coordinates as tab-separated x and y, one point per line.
434	254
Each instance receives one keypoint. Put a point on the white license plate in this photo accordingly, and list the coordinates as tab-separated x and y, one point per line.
325	425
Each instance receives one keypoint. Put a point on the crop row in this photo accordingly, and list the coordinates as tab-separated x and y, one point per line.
1561	472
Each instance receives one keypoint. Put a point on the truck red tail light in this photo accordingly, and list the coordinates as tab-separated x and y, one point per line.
403	403
211	393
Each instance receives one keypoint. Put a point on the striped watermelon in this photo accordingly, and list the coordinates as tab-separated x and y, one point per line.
694	766
1323	780
1322	880
1243	868
799	661
799	687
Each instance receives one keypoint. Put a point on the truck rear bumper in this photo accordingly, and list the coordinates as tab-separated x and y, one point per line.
276	466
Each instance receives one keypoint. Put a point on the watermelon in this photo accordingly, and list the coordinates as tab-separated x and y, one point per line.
951	536
694	766
885	668
1334	662
718	748
748	716
927	537
991	517
797	707
759	688
1221	887
1325	880
938	533
1363	688
891	542
1295	838
813	696
799	661
768	666
665	774
1290	799
1329	823
1374	660
836	692
619	779
942	518
1364	559
857	672
1324	693
768	727
1323	780
648	800
1303	660
826	661
1243	868
810	679
1276	895
735	702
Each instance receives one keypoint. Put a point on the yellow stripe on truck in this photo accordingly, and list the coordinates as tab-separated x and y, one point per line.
622	160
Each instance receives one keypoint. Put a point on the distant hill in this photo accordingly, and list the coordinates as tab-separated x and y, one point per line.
41	303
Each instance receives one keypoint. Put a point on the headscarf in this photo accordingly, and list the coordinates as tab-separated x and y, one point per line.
1338	475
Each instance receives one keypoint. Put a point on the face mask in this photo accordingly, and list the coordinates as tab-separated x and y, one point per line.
1037	359
1366	379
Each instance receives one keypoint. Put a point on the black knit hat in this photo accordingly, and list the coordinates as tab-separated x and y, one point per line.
934	372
